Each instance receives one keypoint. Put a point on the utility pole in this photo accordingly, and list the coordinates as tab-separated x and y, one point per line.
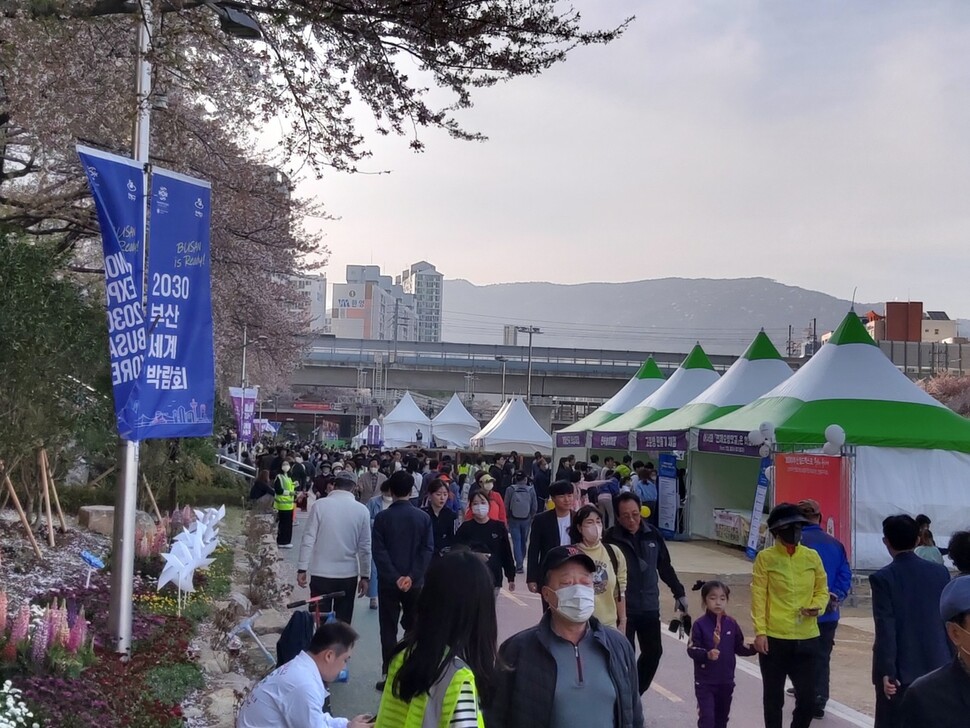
791	350
397	309
530	330
504	360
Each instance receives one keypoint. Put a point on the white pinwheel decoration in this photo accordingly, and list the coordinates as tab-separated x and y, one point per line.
191	550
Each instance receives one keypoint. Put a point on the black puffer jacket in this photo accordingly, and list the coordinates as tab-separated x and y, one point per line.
526	681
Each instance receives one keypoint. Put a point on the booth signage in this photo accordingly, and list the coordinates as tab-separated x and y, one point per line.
821	478
668	494
611	440
570	439
758	509
661	441
726	442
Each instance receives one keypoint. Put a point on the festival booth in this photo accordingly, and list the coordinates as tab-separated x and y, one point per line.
513	428
454	426
402	423
692	377
575	439
372	435
849	430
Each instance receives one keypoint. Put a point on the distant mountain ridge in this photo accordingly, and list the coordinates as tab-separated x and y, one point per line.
666	314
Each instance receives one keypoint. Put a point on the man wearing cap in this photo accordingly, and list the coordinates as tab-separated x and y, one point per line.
549	530
789	590
942	698
336	548
569	671
910	640
839	576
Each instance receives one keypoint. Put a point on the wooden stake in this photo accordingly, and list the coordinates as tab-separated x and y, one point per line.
151	497
103	475
57	500
45	496
20	512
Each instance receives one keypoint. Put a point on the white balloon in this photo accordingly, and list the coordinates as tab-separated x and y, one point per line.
767	429
830	448
835	434
755	437
765	450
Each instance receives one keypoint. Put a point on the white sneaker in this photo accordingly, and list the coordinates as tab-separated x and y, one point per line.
286	546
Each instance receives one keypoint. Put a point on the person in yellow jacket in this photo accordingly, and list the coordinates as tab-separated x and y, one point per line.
285	504
443	669
789	590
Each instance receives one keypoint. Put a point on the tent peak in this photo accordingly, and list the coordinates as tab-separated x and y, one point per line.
761	348
851	331
697	359
649	370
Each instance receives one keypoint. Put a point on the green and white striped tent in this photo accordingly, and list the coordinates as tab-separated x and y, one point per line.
645	382
692	377
758	370
910	452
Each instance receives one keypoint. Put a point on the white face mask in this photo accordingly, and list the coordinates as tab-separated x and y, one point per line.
386	498
286	468
592	532
480	510
487	486
397	465
575	602
337	470
373	471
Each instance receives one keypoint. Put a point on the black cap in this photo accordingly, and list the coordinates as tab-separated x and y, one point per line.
558	556
785	514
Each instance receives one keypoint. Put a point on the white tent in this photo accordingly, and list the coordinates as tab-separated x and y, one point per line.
362	436
454	426
402	424
513	428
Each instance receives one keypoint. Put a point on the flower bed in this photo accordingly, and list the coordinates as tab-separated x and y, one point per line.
55	650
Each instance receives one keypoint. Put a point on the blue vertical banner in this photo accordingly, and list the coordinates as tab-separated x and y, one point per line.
177	391
118	187
757	511
668	494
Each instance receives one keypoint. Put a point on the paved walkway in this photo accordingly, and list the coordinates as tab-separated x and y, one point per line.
669	702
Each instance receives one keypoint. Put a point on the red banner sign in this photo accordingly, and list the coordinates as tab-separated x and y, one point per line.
313	406
821	478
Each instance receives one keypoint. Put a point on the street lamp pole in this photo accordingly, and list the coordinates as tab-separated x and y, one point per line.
530	330
504	360
244	347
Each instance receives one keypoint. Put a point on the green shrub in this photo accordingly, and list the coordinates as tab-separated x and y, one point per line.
170	684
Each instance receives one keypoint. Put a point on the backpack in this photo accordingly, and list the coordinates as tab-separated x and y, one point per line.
520	504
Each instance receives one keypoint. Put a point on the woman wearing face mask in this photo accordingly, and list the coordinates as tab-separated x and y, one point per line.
609	579
789	590
490	539
375	505
285	505
496	506
444	521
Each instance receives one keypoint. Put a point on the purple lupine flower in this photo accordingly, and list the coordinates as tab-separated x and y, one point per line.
38	645
79	633
3	613
21	626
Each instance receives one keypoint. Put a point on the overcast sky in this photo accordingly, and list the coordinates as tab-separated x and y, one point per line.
823	144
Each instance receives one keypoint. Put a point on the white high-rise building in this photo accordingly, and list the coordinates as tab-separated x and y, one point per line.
423	281
313	298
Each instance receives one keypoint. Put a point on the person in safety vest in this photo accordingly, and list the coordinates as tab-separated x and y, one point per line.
285	504
443	669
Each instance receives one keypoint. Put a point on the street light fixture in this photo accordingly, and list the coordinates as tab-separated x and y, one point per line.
504	360
530	330
120	609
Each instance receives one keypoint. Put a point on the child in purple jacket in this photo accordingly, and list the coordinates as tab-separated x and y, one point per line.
715	642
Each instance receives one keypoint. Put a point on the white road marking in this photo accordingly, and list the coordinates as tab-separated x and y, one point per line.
508	595
666	693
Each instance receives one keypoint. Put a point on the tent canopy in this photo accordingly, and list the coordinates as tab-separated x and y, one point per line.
513	428
454	426
851	383
759	369
402	423
645	382
693	376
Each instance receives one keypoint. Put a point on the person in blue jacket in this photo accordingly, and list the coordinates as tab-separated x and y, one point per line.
839	576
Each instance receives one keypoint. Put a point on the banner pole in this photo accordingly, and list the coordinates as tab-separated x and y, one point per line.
123	536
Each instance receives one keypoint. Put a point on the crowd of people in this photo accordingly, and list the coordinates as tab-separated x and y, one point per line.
432	541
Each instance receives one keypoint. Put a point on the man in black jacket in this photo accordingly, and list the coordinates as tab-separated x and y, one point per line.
647	557
569	671
942	698
549	530
402	544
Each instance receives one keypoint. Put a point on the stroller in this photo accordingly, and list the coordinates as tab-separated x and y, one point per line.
299	630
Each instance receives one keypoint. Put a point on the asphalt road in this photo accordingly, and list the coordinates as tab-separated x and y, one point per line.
669	702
